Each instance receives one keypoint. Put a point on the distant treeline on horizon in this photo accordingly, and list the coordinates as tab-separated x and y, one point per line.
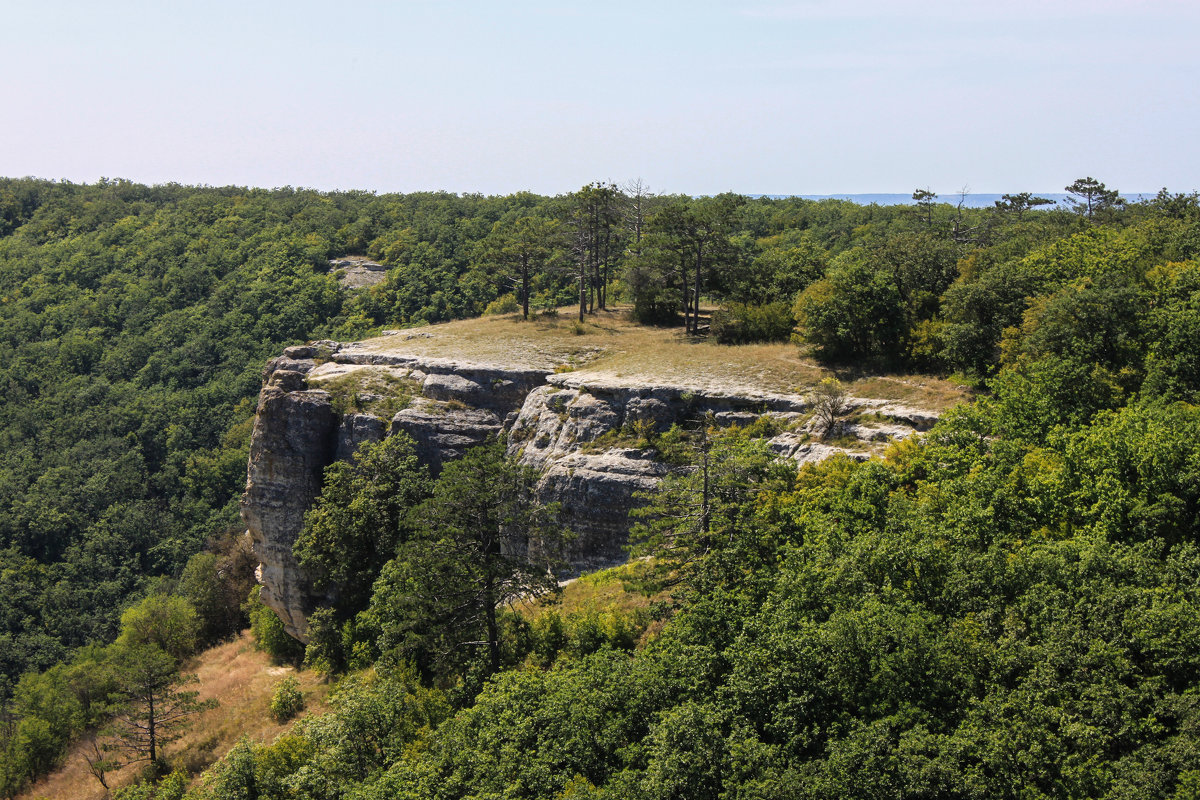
969	200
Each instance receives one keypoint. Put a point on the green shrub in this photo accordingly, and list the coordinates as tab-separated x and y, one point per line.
171	787
269	634
287	701
504	304
581	633
234	776
741	323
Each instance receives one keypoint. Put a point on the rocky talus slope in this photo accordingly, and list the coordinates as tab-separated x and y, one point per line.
554	422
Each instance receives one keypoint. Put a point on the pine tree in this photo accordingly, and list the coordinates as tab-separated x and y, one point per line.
150	709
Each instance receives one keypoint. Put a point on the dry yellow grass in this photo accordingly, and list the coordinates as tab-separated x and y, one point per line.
242	680
608	346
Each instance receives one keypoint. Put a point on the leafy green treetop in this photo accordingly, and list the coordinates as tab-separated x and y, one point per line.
481	541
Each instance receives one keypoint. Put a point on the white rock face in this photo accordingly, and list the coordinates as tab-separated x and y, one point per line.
553	423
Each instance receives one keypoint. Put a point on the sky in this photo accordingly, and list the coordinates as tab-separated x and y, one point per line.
755	97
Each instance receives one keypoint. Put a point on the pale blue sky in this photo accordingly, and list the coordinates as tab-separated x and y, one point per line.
778	97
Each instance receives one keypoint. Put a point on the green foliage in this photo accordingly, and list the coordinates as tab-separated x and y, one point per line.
216	584
786	264
172	787
581	633
360	518
478	543
32	748
1173	364
269	634
853	313
50	709
743	324
504	304
287	700
235	778
696	525
168	622
326	651
979	306
528	735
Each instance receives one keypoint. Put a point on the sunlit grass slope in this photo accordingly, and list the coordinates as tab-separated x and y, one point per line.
242	681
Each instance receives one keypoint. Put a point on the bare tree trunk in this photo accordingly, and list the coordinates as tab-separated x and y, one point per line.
582	290
525	286
152	732
493	630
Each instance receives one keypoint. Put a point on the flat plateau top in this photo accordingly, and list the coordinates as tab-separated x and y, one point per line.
609	348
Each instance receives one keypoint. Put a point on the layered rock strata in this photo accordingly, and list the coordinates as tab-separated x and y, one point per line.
556	423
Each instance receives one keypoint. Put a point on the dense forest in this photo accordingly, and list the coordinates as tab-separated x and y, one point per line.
1006	607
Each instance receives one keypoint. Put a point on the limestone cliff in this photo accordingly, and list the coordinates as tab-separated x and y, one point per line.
557	423
294	440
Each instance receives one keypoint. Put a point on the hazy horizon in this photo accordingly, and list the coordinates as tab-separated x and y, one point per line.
970	199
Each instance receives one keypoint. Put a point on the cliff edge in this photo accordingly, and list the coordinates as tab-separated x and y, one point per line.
563	401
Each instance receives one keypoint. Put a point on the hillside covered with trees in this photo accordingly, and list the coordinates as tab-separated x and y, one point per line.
1005	607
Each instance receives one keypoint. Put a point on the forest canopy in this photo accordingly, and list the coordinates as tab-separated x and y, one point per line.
1006	607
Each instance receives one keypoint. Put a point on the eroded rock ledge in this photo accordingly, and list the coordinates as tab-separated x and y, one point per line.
554	422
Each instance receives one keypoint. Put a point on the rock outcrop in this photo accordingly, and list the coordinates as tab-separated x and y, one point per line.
443	431
356	272
295	438
575	429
